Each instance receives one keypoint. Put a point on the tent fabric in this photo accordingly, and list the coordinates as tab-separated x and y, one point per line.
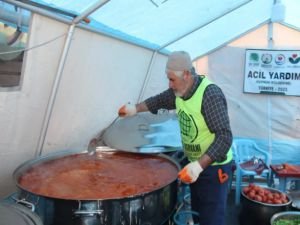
101	73
174	24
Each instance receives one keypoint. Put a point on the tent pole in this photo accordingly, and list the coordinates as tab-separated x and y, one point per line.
58	76
270	46
46	13
52	97
34	7
38	11
89	10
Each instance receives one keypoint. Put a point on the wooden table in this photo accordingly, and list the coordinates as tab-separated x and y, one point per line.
285	172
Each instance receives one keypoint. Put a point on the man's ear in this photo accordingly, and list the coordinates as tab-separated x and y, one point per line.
186	75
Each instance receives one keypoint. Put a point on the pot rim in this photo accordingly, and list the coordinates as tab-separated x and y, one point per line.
19	171
282	214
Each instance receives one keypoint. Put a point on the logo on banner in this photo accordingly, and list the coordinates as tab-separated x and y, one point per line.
266	58
254	57
280	59
294	59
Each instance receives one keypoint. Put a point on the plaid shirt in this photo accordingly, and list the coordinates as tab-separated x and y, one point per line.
214	111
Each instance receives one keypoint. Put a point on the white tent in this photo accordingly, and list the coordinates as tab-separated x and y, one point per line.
75	75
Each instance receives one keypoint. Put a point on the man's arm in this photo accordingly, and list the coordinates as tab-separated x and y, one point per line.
164	100
141	107
214	110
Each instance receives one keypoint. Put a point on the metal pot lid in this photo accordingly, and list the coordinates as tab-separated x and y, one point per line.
14	214
144	133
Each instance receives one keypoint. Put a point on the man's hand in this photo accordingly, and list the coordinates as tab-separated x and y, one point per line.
190	173
127	110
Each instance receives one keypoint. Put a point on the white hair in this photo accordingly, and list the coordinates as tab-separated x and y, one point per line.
176	72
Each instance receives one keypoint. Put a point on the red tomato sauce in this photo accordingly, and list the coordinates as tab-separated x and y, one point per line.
104	175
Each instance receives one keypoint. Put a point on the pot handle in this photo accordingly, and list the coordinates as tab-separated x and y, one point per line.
84	212
88	212
25	203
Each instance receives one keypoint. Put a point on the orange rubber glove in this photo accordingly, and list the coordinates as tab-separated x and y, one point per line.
190	173
127	110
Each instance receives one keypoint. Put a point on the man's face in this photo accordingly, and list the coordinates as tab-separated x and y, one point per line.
177	83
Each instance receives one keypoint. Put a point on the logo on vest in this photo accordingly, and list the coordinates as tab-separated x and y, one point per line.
188	128
192	148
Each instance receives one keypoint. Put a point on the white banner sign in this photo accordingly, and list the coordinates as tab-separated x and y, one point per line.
272	72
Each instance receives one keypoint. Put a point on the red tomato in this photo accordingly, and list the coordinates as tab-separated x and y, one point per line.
270	196
276	195
283	196
261	192
246	190
251	186
277	201
251	194
256	188
258	198
264	198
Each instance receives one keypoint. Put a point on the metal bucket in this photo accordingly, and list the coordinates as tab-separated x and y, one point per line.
185	217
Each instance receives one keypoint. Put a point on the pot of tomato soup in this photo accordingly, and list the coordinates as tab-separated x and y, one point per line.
108	187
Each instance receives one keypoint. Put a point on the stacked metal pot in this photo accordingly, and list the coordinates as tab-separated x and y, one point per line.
12	213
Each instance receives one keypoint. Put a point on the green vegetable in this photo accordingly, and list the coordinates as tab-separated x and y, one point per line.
295	221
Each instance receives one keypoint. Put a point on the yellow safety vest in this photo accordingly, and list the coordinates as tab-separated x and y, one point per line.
195	135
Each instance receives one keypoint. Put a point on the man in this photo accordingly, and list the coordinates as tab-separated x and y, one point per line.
205	132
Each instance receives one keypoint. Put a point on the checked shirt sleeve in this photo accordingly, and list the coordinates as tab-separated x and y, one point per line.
164	100
214	110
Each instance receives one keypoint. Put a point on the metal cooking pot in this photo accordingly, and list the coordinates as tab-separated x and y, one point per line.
155	207
12	213
254	212
290	217
295	195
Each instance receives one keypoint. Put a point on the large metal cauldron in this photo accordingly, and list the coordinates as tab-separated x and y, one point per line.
152	208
